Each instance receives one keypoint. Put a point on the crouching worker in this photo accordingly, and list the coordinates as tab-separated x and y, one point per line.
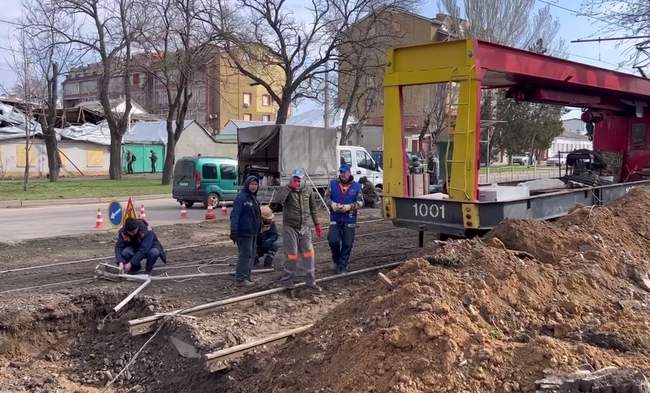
136	241
267	240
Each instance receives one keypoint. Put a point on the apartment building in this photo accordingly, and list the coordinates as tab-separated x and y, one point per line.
219	92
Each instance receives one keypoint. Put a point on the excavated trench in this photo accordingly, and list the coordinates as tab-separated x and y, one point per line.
78	345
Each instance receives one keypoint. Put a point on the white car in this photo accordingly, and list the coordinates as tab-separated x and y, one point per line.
556	160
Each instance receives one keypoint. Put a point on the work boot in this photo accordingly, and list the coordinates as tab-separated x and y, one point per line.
287	284
268	261
314	288
244	283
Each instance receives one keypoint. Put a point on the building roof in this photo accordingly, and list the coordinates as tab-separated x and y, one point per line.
231	127
316	118
118	105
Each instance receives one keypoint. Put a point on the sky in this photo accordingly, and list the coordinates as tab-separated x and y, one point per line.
572	26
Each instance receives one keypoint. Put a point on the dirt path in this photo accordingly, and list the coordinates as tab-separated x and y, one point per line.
49	337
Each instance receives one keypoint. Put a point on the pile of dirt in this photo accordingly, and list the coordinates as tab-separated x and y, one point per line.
531	301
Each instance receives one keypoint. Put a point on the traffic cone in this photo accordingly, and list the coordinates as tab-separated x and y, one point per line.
143	215
183	211
99	224
224	210
209	214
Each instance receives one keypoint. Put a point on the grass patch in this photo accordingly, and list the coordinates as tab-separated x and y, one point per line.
81	188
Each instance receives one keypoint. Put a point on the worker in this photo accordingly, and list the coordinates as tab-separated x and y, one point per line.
268	239
153	159
244	227
136	241
299	208
130	159
368	191
344	197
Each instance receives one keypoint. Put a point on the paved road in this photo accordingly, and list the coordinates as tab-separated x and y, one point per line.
39	222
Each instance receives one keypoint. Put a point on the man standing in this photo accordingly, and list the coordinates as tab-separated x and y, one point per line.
130	158
299	208
153	159
135	242
345	198
244	226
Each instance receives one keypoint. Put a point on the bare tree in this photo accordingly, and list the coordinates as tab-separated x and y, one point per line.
287	56
436	112
51	61
182	44
106	30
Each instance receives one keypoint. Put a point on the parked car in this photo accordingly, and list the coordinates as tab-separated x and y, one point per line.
556	160
520	159
197	179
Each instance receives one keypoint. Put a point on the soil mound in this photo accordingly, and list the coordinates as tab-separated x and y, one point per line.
508	314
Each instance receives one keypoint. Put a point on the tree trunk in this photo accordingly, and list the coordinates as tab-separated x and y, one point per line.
115	168
283	110
53	159
170	155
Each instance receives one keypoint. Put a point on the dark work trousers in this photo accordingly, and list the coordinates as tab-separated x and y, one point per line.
247	254
151	256
341	239
129	167
153	166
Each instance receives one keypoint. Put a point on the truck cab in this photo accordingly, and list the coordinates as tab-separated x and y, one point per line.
361	164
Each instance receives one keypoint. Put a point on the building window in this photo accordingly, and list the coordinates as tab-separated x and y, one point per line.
638	136
266	100
247	99
248	117
136	79
266	117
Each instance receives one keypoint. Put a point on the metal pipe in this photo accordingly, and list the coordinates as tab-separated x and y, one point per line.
131	295
220	354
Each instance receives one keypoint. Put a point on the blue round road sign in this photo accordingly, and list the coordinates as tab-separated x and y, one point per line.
115	213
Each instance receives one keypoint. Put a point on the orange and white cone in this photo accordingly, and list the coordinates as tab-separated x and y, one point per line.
183	211
209	214
99	223
224	210
143	215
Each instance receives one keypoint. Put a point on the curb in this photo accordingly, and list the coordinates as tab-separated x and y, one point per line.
81	201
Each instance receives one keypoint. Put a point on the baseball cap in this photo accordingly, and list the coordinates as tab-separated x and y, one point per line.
344	168
298	173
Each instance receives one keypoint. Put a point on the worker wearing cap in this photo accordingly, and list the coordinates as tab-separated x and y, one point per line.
268	238
299	211
344	197
135	242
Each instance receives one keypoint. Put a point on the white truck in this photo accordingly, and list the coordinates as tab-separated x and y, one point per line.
272	151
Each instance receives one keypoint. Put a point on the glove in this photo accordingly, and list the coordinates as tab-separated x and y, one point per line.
293	186
234	237
319	231
346	208
335	206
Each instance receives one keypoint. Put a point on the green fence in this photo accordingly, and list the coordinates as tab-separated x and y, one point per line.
142	153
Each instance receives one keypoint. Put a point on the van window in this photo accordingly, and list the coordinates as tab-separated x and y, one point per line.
184	168
209	171
363	160
228	172
346	157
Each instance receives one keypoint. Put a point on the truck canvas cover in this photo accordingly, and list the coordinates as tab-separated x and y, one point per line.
283	148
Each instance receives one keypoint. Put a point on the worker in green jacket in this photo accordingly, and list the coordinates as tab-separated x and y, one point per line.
298	213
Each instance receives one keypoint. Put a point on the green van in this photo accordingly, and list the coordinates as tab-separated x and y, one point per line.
196	179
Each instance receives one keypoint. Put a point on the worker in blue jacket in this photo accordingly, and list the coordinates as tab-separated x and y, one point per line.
135	242
245	225
344	197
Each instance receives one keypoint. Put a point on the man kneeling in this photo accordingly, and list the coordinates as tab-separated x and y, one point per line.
135	242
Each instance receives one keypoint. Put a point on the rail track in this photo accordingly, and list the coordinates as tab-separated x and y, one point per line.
197	265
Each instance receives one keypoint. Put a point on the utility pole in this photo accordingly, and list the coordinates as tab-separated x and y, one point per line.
326	104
